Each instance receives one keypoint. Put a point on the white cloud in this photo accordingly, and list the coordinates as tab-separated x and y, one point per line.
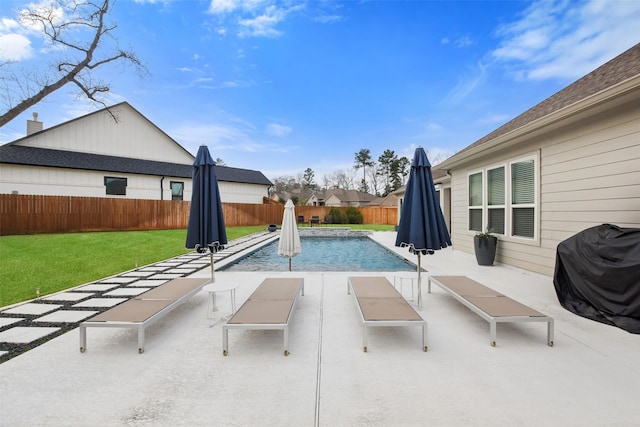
494	119
463	41
226	136
434	127
565	39
219	7
251	18
278	130
15	47
329	19
263	25
223	6
466	84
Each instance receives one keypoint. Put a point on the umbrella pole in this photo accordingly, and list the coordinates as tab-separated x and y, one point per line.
289	263
213	277
213	280
419	284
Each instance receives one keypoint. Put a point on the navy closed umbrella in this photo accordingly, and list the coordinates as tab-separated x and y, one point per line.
206	231
422	227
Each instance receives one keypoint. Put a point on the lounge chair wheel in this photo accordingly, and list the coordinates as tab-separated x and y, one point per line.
425	348
224	352
140	350
286	353
550	343
365	349
493	343
82	349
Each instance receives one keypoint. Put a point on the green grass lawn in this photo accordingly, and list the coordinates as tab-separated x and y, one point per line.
54	262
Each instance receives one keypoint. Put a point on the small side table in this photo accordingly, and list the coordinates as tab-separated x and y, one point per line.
215	287
400	279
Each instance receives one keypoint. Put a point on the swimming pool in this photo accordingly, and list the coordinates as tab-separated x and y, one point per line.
325	254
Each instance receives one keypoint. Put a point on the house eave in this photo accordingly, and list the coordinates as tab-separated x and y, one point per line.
616	95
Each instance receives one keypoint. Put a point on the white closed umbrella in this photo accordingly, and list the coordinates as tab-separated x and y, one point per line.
289	245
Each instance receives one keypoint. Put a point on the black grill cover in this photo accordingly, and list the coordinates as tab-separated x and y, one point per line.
597	275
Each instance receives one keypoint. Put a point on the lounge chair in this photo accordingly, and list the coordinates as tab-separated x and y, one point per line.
492	306
315	219
380	304
271	306
300	219
145	309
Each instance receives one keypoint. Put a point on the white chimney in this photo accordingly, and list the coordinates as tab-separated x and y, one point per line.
34	125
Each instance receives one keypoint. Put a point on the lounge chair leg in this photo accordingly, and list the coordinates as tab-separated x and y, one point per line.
140	340
225	340
83	339
550	333
424	336
286	340
364	337
492	330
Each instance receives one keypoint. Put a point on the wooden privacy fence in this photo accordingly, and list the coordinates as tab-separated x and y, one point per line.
34	214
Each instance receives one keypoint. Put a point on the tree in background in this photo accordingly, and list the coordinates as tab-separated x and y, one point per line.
399	171
308	179
380	178
376	180
386	161
362	160
76	45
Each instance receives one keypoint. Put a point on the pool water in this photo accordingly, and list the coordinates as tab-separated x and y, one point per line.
325	254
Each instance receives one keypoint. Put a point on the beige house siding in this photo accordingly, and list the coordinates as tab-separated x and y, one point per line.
589	174
84	183
132	136
235	192
332	201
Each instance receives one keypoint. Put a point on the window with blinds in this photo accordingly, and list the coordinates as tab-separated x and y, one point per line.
503	199
475	202
496	200
523	198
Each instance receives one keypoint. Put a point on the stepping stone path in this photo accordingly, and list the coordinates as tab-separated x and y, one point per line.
27	325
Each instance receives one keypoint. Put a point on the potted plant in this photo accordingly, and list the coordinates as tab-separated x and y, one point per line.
485	245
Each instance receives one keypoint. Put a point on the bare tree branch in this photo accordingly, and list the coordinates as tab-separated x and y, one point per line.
83	15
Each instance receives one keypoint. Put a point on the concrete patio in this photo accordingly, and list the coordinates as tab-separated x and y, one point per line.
590	377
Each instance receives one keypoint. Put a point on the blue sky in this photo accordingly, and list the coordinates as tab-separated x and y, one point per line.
281	86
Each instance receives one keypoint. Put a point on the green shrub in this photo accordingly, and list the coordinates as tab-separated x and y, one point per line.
354	216
337	217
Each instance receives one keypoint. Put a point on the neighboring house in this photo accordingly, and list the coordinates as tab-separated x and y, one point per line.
297	195
388	201
567	164
95	156
340	198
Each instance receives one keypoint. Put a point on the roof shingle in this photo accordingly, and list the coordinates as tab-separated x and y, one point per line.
32	156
